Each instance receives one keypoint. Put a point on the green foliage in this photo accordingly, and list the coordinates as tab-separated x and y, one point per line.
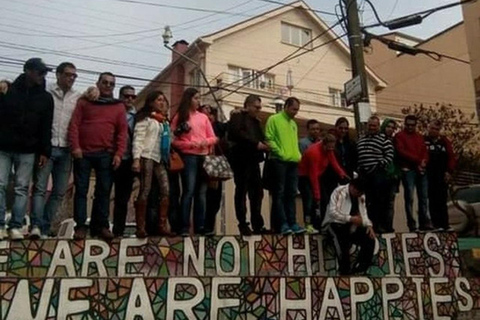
462	129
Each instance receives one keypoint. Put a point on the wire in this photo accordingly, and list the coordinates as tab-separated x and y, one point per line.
295	6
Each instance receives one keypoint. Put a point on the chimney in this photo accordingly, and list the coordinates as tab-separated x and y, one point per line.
180	46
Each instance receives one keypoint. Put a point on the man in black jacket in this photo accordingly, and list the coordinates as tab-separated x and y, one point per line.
26	112
248	150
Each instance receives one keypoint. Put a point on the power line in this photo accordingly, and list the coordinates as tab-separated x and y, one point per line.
297	7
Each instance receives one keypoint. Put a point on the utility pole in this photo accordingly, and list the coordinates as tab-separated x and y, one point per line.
358	63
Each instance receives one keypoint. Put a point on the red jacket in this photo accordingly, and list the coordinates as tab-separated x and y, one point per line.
314	162
411	149
98	127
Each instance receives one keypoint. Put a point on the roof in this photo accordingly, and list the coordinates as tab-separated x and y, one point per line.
403	35
441	33
210	38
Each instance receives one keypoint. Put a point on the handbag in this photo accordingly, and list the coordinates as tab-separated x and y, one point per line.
175	163
217	167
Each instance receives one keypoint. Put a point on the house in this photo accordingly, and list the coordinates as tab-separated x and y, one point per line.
232	60
234	57
471	14
420	79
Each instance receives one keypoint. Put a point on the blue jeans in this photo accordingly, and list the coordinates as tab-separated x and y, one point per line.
284	191
194	188
23	164
59	166
101	163
410	180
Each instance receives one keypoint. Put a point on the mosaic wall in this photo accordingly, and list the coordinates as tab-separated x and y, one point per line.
416	255
189	298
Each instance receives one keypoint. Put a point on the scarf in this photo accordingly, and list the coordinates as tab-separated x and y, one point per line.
165	143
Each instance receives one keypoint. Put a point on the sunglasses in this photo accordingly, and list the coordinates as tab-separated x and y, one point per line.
70	75
108	83
130	96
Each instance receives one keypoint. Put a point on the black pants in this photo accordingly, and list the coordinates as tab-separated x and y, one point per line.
214	199
248	180
437	199
174	204
123	181
343	239
377	194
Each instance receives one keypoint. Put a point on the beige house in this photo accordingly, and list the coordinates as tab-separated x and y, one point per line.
233	59
419	79
471	14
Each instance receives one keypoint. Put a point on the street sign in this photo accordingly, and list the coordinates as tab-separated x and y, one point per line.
364	111
353	90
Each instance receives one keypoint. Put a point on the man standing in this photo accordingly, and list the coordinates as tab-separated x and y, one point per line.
123	176
440	167
282	136
348	221
98	138
248	150
59	164
26	112
313	129
375	153
412	159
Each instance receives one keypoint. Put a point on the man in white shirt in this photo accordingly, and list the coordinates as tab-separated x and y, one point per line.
348	222
60	163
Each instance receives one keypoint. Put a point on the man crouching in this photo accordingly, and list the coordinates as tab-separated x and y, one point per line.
347	220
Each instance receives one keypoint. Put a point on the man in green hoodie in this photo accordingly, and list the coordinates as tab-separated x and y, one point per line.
282	137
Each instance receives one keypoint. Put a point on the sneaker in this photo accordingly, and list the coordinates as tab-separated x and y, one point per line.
35	233
262	231
3	233
80	233
185	234
245	230
15	234
297	229
285	230
310	229
450	229
106	235
426	227
209	233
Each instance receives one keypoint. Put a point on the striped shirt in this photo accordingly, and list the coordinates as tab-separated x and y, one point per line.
374	151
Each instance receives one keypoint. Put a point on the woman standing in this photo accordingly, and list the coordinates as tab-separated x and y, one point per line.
194	138
151	150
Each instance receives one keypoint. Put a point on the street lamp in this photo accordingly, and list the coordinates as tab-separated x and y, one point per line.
167	36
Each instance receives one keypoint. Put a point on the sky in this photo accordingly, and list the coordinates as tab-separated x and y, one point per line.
125	36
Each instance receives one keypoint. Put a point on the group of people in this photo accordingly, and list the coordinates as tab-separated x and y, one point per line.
346	187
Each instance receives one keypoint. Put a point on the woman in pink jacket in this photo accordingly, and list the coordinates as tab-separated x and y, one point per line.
194	138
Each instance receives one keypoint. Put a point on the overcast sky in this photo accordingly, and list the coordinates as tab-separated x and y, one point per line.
124	37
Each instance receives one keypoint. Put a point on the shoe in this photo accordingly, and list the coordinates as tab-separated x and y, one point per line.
245	230
209	233
163	226
3	233
285	230
35	233
185	234
427	227
80	233
140	213
310	229
413	229
106	235
15	234
449	229
297	229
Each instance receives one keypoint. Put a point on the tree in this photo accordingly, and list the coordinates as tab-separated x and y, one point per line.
459	127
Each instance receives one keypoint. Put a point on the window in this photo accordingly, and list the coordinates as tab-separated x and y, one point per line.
337	98
195	78
250	78
296	36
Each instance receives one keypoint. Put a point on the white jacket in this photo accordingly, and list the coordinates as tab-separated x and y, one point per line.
146	139
338	210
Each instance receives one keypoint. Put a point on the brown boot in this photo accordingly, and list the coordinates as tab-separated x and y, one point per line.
140	213
163	227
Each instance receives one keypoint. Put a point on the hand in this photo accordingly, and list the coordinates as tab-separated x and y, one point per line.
448	177
77	154
203	144
423	164
3	87
356	220
42	161
262	146
136	165
370	232
92	94
116	162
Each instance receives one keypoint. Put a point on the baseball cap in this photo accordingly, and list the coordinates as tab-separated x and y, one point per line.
36	64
